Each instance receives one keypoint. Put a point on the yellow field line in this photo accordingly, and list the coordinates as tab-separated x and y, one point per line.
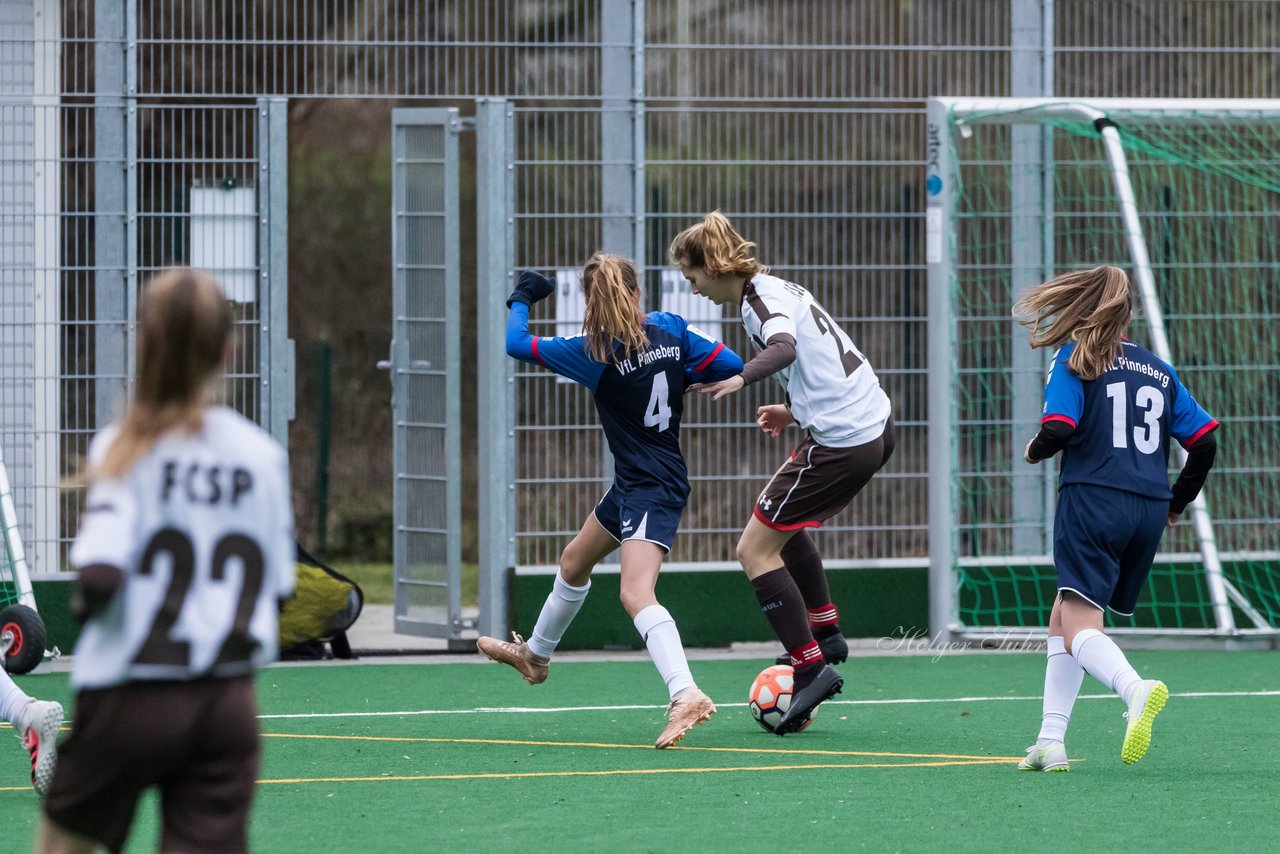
615	773
622	772
519	743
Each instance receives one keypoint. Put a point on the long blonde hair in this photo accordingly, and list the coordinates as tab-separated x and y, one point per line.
1090	307
184	324
713	245
612	315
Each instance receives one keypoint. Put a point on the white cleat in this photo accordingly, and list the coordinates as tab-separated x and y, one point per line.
1051	757
41	740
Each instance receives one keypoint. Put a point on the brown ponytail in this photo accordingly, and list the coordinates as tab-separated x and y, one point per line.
714	246
1090	307
610	284
184	324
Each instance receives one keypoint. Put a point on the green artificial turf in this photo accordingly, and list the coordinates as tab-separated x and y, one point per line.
510	778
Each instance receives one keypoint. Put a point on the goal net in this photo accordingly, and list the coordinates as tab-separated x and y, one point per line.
1185	196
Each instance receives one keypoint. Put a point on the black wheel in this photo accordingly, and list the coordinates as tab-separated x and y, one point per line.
25	631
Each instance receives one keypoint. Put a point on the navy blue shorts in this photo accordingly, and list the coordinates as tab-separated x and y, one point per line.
638	518
1104	541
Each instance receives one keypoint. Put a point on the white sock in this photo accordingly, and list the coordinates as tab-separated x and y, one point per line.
662	639
13	702
1099	655
562	605
1062	678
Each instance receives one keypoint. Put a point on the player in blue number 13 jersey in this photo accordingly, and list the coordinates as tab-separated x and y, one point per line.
1110	407
637	367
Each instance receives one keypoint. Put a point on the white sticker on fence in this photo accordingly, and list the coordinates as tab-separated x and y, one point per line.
678	298
224	238
933	235
571	307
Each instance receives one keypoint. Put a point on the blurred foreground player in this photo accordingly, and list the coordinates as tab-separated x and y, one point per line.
36	722
184	553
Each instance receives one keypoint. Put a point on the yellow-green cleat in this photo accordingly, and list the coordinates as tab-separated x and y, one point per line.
1051	757
1148	699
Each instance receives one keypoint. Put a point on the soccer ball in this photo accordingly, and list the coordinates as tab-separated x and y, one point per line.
770	697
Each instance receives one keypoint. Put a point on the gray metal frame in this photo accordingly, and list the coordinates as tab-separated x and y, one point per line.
427	446
495	245
276	364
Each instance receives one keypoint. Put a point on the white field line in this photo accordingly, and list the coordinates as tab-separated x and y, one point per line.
528	710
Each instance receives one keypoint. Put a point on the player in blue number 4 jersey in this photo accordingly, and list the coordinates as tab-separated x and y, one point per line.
637	367
1111	407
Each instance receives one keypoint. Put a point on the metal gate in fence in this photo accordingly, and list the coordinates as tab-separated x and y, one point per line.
425	364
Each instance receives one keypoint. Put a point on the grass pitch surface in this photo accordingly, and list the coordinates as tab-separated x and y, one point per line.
916	754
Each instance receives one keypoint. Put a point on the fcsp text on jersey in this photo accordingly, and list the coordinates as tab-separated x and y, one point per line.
206	484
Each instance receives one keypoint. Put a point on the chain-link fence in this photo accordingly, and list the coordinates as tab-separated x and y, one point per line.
135	134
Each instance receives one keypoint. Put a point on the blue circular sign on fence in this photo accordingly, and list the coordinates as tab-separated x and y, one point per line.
933	185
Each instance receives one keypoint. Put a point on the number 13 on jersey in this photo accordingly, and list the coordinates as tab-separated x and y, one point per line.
1146	436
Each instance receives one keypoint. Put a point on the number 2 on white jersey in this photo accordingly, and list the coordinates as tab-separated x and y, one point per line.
658	412
1146	436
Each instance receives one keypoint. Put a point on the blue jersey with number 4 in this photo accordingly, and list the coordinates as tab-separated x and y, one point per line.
640	399
1123	420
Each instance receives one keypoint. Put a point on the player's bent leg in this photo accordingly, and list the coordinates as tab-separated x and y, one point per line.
532	659
759	549
592	545
804	563
689	706
53	839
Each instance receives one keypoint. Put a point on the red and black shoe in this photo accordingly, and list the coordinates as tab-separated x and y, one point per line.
835	649
41	741
813	686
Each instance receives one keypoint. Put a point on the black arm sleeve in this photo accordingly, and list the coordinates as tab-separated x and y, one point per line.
777	354
1199	461
1053	437
94	588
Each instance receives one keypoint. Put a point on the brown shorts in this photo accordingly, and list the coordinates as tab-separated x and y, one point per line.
817	482
196	741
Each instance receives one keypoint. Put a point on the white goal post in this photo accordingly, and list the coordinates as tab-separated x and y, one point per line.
1020	189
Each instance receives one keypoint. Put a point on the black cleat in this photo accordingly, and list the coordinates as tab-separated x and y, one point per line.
822	686
835	649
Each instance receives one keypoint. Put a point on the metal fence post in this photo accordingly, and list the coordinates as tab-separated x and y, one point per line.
276	362
495	207
940	189
113	157
1030	201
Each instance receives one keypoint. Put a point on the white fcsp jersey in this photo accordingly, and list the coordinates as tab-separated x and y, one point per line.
202	529
832	390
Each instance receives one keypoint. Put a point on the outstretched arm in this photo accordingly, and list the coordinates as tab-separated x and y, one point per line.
531	288
778	353
566	356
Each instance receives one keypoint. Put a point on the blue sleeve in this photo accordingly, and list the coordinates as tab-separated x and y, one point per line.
1190	421
1063	391
566	356
707	360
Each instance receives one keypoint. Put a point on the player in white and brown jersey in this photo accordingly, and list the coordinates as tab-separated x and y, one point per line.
184	553
833	394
